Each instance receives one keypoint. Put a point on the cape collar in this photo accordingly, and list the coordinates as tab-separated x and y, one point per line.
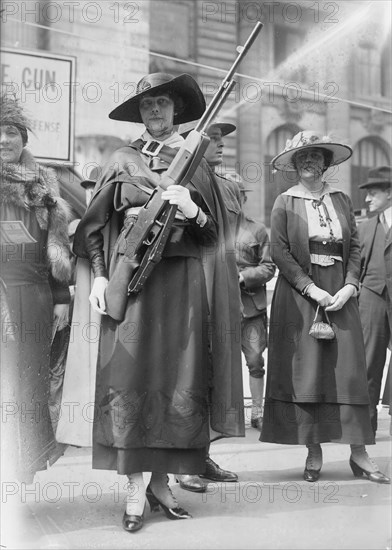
175	140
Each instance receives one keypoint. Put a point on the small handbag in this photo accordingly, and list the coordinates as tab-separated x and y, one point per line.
321	330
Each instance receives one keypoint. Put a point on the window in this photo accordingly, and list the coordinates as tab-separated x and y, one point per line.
277	182
286	42
370	75
386	62
369	153
170	25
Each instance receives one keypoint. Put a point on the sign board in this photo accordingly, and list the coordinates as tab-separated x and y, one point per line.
43	84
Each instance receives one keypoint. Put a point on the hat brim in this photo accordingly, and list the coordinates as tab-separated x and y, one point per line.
87	183
375	183
225	127
184	85
284	161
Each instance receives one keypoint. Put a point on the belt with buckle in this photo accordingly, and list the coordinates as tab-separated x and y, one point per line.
328	248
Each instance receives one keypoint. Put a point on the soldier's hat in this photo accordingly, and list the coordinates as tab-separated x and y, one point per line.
225	127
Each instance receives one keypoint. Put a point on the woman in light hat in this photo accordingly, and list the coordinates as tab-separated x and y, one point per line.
316	389
153	378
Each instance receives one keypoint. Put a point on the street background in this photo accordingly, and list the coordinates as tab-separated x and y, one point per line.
72	506
324	65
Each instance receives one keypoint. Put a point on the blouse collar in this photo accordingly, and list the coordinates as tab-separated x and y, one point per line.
300	191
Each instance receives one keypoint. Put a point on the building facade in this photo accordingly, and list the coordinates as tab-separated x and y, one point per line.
324	66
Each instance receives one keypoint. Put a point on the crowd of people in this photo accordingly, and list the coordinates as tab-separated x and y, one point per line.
163	396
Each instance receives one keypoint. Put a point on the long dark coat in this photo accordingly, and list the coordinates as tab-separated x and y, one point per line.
153	376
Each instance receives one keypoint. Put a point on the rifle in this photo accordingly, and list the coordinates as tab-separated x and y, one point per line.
147	237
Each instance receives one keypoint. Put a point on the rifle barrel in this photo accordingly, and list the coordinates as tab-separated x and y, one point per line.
216	101
244	50
217	106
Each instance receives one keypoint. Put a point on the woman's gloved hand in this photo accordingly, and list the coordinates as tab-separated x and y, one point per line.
179	195
97	295
322	297
60	316
341	297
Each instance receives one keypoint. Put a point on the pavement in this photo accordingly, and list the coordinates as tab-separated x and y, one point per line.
71	506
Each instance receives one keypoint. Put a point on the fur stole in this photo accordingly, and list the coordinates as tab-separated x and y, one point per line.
31	186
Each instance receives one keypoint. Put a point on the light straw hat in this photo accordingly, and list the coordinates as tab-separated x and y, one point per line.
305	140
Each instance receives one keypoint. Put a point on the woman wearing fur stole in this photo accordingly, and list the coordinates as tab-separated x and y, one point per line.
35	270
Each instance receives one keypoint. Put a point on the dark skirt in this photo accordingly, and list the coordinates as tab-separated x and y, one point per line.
316	390
152	378
27	433
127	461
306	423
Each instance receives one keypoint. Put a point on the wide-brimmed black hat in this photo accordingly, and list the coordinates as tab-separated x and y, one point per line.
304	140
184	86
378	177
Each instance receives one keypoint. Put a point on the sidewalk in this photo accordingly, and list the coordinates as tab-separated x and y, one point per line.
72	506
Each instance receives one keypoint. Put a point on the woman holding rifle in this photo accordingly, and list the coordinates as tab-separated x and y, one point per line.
154	375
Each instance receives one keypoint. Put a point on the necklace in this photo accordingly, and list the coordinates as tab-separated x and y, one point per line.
324	216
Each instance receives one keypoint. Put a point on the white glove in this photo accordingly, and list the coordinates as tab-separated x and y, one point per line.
179	195
322	297
97	295
341	297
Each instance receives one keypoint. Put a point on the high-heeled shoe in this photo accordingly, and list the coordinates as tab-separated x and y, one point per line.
314	458
311	475
132	523
377	476
171	513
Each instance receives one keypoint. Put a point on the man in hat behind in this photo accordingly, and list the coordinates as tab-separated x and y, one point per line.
214	156
255	270
230	194
376	292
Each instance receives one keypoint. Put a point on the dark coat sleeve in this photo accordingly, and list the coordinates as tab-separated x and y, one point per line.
89	240
366	232
285	252
351	245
